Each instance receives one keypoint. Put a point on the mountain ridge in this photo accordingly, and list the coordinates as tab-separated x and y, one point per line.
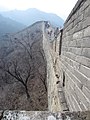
8	25
33	15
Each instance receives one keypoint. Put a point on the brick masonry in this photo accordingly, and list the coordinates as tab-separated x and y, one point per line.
68	70
70	62
75	57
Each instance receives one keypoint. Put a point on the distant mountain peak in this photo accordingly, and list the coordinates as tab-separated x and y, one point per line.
32	15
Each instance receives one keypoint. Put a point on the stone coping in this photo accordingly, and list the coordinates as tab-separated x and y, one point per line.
76	7
43	115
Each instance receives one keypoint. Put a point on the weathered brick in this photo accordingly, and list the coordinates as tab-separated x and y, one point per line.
74	79
83	60
85	70
73	97
70	26
78	74
80	18
72	43
78	35
86	22
77	51
70	55
78	27
69	101
77	106
75	57
86	52
86	4
82	97
84	43
86	91
87	32
87	12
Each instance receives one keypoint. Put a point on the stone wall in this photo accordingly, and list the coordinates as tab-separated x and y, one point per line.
53	100
75	57
70	51
68	61
43	115
56	97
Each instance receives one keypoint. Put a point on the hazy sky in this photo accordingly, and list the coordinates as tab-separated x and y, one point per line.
59	7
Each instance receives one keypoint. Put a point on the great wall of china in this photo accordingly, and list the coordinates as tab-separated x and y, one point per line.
67	54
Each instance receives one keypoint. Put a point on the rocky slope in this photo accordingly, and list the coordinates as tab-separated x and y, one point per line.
23	73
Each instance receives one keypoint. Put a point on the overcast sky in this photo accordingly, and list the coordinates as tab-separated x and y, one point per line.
59	7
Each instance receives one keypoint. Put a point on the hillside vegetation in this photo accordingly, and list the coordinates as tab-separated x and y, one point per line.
23	72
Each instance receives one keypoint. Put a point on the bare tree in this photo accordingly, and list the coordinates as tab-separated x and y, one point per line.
17	75
43	79
12	68
43	76
19	67
22	69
